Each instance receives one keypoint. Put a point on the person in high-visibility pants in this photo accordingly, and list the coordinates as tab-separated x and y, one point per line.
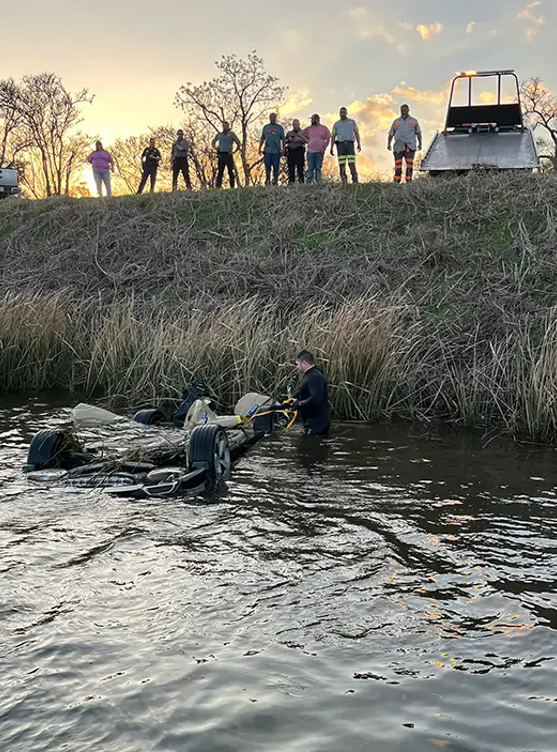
345	133
407	134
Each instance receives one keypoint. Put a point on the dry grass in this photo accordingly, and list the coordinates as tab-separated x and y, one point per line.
433	302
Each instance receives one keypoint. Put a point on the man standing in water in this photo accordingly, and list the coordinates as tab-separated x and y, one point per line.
312	397
345	133
271	145
406	131
150	160
179	159
224	144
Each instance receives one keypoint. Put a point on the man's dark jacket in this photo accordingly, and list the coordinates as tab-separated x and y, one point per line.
313	402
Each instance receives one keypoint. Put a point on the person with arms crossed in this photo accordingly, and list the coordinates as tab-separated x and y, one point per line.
271	145
345	133
179	160
319	137
296	153
407	134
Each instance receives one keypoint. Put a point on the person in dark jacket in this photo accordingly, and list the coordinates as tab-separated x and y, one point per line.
296	153
150	160
312	397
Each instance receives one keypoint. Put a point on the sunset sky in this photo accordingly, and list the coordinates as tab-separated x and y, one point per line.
371	56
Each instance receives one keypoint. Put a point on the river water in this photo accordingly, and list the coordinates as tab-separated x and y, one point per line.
382	590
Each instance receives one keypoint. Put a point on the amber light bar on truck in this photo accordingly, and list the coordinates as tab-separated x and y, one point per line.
471	73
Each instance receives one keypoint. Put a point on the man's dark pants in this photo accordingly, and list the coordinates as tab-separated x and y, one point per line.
296	160
225	160
149	171
181	166
346	155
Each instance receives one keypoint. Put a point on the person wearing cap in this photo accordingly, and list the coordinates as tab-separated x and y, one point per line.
319	137
150	160
224	143
271	145
345	133
407	134
296	153
179	160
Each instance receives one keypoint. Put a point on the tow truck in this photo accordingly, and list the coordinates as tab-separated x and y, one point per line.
9	182
484	127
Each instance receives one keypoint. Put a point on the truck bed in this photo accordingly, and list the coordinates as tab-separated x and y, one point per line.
468	151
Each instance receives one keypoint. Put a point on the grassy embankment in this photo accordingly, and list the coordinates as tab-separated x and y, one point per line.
435	301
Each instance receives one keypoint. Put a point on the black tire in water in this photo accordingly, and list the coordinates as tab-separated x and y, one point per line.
151	417
209	447
49	448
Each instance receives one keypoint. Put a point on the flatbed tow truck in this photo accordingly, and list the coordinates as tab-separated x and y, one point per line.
484	130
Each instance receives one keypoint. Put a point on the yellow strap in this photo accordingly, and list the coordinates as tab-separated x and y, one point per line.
294	414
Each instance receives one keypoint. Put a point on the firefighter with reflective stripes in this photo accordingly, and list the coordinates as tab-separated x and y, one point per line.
345	133
407	134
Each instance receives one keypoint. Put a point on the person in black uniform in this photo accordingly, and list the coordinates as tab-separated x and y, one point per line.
312	397
150	160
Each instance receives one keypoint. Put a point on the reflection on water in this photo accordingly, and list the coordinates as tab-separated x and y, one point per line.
380	589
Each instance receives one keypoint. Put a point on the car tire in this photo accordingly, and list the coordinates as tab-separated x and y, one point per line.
151	417
209	448
50	447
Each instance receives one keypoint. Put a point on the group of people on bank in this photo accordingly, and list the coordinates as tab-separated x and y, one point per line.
303	148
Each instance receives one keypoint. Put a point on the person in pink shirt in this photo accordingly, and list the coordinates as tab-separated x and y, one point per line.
102	163
319	137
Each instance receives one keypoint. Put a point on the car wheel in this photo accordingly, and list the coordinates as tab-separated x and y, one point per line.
49	448
151	417
209	448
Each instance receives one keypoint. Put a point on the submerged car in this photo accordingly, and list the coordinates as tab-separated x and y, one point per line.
193	452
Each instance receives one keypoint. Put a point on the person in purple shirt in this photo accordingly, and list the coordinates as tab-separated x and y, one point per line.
102	163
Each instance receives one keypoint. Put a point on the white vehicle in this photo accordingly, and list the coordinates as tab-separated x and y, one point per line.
9	182
484	127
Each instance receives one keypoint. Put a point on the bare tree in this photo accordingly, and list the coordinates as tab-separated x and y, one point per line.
126	153
13	137
243	94
540	108
46	116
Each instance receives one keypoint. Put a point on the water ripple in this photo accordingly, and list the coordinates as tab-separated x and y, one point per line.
375	590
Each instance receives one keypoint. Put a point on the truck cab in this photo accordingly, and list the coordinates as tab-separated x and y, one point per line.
9	182
484	127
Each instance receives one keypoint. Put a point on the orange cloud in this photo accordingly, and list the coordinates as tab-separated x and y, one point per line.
426	31
534	20
375	115
298	100
417	95
487	97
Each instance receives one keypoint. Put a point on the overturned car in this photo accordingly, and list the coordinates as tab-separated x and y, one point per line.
192	452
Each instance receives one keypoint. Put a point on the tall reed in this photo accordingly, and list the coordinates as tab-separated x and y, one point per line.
383	361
